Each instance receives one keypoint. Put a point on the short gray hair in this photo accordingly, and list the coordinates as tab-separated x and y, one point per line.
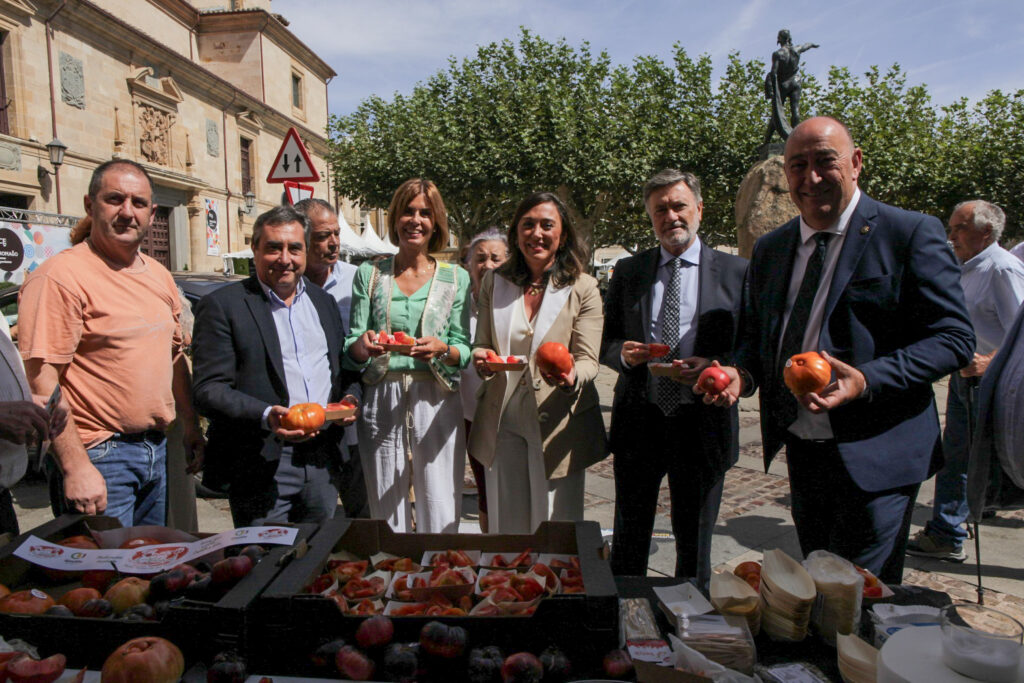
279	215
985	215
488	235
310	205
671	176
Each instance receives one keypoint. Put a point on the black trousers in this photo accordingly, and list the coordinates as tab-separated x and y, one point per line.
665	445
8	517
831	512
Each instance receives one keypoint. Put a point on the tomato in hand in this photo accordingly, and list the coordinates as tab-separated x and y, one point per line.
309	417
554	359
713	380
658	350
806	373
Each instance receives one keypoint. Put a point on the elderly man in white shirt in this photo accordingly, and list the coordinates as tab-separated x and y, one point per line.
325	269
993	283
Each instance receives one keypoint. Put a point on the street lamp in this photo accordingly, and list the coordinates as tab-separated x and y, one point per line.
55	148
250	203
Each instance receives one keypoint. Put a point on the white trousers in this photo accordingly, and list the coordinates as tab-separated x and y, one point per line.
413	429
519	495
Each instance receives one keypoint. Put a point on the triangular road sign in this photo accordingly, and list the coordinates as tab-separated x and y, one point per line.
292	162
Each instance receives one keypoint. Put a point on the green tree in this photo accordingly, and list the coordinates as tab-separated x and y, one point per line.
536	115
519	117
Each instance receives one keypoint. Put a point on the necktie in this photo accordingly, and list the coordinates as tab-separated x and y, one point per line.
668	393
799	316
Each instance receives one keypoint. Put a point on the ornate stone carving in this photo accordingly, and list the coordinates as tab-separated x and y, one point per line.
155	138
10	157
212	138
72	81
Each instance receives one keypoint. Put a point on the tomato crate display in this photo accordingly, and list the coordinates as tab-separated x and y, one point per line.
440	577
107	607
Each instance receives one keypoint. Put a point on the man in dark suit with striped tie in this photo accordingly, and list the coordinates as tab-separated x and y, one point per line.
686	296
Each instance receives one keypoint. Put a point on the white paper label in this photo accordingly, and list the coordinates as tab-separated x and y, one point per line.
151	558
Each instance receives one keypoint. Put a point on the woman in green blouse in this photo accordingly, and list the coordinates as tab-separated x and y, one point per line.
411	420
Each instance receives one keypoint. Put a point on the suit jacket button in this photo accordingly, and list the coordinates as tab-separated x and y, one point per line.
536	385
542	417
522	382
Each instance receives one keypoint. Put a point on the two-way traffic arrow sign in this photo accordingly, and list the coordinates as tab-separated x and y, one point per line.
292	162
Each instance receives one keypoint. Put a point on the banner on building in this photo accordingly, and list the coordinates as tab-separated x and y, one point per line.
24	246
212	228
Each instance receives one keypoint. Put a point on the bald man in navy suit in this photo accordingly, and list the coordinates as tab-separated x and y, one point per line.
877	290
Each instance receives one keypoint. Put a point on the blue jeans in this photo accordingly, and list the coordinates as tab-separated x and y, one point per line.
950	508
134	467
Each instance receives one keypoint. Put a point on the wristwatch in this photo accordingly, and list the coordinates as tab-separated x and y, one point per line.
442	357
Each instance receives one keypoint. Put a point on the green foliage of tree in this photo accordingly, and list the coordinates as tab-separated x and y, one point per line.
536	115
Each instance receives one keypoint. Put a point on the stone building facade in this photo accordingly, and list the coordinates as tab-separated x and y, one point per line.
201	93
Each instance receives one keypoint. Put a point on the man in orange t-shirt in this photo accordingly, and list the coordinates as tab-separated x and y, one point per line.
102	319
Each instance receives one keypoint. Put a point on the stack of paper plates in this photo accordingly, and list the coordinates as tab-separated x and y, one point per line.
787	593
732	595
858	661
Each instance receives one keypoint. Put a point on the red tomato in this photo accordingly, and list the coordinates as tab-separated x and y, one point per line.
754	580
554	359
745	569
511	359
403	338
383	337
713	380
493	357
308	417
872	591
806	372
144	659
658	350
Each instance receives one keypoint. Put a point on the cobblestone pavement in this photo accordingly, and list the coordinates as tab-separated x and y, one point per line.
747	489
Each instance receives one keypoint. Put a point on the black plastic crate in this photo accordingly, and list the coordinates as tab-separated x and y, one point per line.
288	623
200	629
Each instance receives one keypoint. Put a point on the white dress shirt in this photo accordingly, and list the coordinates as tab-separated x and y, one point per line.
993	282
689	289
808	425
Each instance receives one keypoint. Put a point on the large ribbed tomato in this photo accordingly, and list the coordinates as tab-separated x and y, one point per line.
308	417
554	359
807	372
148	658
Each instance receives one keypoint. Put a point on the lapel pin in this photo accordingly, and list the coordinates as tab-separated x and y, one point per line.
865	230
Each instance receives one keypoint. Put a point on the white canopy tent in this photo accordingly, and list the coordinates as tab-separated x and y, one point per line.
351	243
374	242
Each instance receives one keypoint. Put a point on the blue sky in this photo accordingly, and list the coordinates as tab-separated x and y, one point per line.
958	48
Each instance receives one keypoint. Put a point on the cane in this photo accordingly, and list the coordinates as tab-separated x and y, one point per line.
970	386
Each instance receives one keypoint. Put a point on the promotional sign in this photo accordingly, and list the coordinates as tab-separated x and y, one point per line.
292	162
212	228
24	246
148	559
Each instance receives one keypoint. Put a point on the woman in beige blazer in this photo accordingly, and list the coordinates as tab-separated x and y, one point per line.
537	433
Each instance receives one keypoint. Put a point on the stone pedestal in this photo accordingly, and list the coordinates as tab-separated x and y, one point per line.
762	203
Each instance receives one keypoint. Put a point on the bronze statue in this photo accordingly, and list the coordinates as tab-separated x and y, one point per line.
782	83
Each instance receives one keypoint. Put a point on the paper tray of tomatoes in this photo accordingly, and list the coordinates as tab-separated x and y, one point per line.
341	410
665	369
496	363
510	560
451	558
399	342
422	586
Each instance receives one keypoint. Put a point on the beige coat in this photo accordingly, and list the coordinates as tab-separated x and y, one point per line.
571	427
